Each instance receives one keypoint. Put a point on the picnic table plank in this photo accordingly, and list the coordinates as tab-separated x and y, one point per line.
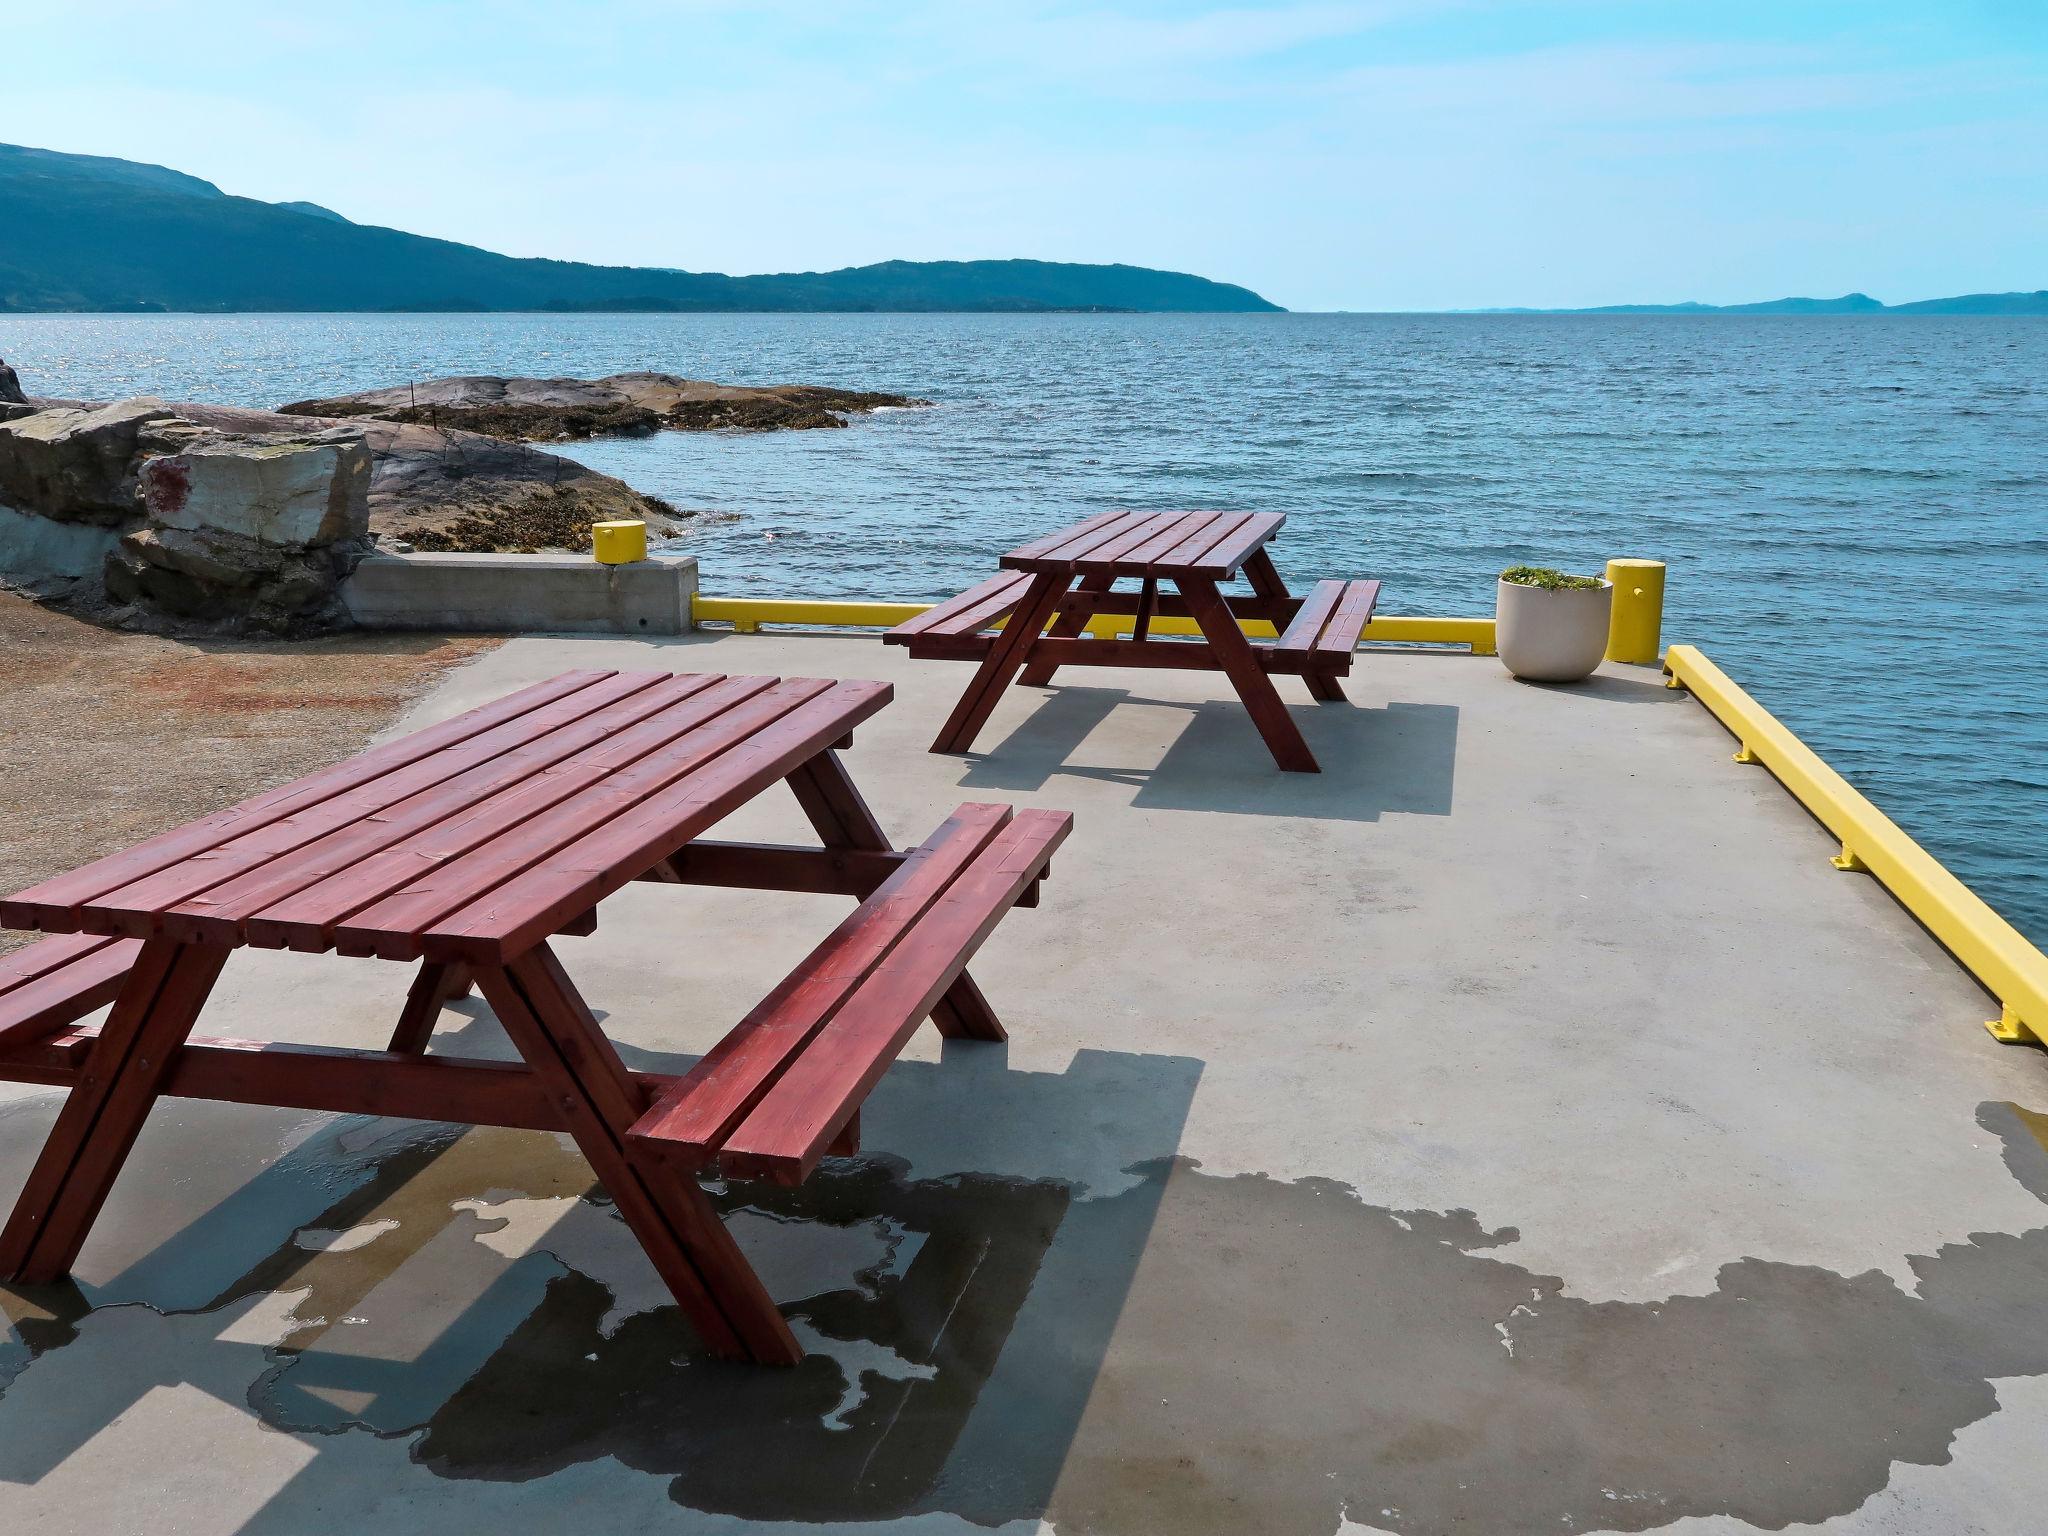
444	863
1340	635
1059	536
207	894
787	1131
729	1079
1074	542
973	609
1108	553
1173	534
56	997
38	959
577	875
53	904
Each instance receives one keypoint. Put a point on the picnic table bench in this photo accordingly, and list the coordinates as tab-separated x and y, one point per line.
1068	577
465	848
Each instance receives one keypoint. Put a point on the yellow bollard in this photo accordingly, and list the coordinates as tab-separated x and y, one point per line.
1635	632
618	543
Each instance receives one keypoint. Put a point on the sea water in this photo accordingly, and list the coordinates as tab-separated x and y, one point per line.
1854	509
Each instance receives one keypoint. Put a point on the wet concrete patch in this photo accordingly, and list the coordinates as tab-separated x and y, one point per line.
1192	1353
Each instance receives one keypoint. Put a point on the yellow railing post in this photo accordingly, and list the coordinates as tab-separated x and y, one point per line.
1635	632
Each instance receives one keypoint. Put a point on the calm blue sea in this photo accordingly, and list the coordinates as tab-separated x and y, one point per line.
1854	509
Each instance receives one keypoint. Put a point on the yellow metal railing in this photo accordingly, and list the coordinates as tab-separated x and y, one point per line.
1989	947
747	614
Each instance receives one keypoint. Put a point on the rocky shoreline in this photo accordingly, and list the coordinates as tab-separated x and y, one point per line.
151	513
619	405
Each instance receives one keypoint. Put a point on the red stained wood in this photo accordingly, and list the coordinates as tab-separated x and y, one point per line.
1062	536
1230	549
773	867
1234	654
1199	543
47	955
53	905
456	1089
525	816
671	1216
1005	658
65	993
1315	611
976	608
210	895
1354	611
1110	554
787	1131
560	876
422	1008
1072	619
101	1118
451	859
1195	551
730	1078
963	1013
1178	531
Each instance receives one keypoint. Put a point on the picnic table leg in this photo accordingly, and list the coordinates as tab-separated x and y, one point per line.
436	984
1068	626
842	819
1240	664
96	1129
674	1220
1012	649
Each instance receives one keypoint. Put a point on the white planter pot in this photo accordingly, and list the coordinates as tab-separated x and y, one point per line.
1551	637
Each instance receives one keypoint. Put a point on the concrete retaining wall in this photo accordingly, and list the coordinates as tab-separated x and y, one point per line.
523	593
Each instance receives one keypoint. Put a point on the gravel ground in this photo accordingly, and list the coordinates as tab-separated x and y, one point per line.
107	738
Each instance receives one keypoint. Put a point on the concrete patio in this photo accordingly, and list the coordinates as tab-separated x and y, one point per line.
1520	1127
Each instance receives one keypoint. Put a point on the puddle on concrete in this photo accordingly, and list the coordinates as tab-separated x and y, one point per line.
1191	1354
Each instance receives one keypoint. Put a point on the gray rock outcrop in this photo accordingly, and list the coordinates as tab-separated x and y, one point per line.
257	529
78	463
558	410
179	518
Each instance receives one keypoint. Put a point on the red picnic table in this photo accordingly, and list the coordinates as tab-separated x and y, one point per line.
465	847
1072	573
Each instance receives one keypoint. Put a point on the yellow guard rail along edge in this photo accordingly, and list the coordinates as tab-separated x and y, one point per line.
748	614
1989	947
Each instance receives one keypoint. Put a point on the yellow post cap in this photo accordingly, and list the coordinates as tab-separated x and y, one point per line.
619	543
1635	629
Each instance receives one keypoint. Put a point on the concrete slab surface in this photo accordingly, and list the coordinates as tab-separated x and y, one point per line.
1519	1127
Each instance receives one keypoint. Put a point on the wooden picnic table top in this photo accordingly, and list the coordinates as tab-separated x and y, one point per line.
471	840
1211	544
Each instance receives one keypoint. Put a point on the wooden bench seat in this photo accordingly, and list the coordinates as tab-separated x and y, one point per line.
785	1087
962	626
1326	629
60	980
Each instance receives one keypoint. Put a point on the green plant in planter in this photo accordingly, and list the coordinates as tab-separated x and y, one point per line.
1548	579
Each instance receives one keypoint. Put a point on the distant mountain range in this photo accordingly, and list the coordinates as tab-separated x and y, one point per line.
2035	303
84	232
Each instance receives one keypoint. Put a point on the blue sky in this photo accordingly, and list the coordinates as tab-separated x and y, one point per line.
1373	155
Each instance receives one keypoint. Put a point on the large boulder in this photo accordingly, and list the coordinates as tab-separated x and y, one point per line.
258	531
312	488
10	386
79	463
